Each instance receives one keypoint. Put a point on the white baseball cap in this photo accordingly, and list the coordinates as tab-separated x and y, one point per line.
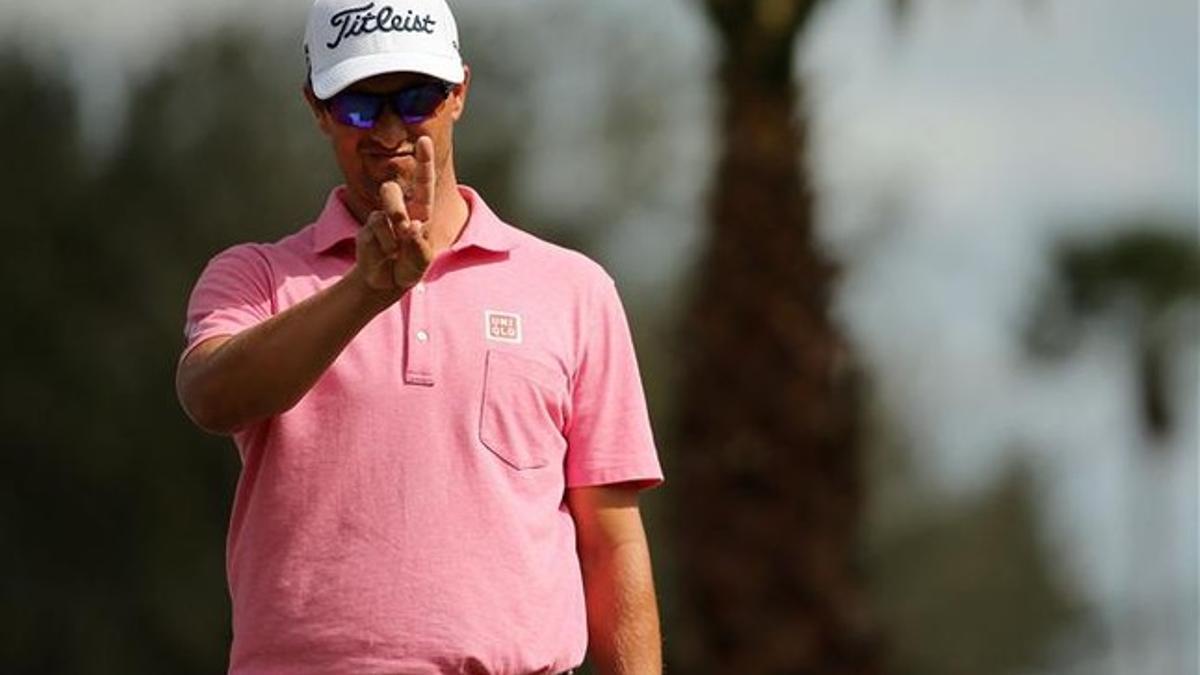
351	40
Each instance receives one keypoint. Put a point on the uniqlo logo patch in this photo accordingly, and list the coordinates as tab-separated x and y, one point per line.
502	326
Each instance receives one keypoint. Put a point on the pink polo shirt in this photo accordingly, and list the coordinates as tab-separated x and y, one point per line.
407	515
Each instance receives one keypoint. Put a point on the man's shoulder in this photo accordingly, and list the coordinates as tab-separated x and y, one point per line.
534	253
566	264
270	252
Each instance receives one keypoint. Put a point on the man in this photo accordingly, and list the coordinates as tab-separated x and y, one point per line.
440	419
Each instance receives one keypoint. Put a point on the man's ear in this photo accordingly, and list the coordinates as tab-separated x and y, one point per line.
458	97
318	109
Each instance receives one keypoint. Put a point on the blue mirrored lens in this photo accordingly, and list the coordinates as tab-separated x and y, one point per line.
356	109
419	103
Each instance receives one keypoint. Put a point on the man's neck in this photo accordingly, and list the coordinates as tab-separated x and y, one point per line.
450	214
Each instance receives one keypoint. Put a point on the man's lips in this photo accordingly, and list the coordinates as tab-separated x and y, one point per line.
383	153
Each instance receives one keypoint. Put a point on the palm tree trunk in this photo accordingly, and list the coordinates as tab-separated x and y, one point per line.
767	465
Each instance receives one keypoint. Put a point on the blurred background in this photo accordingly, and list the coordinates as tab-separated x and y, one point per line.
914	286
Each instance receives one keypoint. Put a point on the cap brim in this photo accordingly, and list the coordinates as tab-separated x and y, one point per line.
345	73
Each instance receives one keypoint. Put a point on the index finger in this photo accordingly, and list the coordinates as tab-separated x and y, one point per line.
424	181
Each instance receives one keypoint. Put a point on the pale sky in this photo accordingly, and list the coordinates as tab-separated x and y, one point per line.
950	155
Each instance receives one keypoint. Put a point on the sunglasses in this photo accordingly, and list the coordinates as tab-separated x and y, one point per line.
412	105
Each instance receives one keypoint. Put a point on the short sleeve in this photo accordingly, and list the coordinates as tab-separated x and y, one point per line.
233	293
609	439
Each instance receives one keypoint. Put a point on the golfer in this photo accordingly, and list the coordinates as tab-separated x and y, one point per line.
442	429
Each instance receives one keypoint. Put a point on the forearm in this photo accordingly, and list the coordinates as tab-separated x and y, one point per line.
266	369
623	628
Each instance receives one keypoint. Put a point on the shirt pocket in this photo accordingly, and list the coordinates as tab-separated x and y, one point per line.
523	410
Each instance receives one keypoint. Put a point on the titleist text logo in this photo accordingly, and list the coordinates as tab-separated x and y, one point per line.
356	21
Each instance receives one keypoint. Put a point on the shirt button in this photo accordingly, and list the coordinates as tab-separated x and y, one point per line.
422	336
420	287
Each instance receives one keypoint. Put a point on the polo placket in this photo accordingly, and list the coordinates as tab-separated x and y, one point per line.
420	342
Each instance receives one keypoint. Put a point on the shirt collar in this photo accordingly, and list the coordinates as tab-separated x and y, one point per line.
335	224
484	229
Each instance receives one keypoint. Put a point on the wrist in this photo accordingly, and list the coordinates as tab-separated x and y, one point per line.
369	298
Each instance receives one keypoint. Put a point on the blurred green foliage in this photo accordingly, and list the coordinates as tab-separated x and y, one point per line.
1146	277
116	506
964	584
1157	260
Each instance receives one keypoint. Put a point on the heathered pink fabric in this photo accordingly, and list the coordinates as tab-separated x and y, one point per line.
407	515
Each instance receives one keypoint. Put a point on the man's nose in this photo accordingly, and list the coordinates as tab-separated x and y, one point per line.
389	130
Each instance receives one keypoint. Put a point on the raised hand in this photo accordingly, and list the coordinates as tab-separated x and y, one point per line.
394	247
